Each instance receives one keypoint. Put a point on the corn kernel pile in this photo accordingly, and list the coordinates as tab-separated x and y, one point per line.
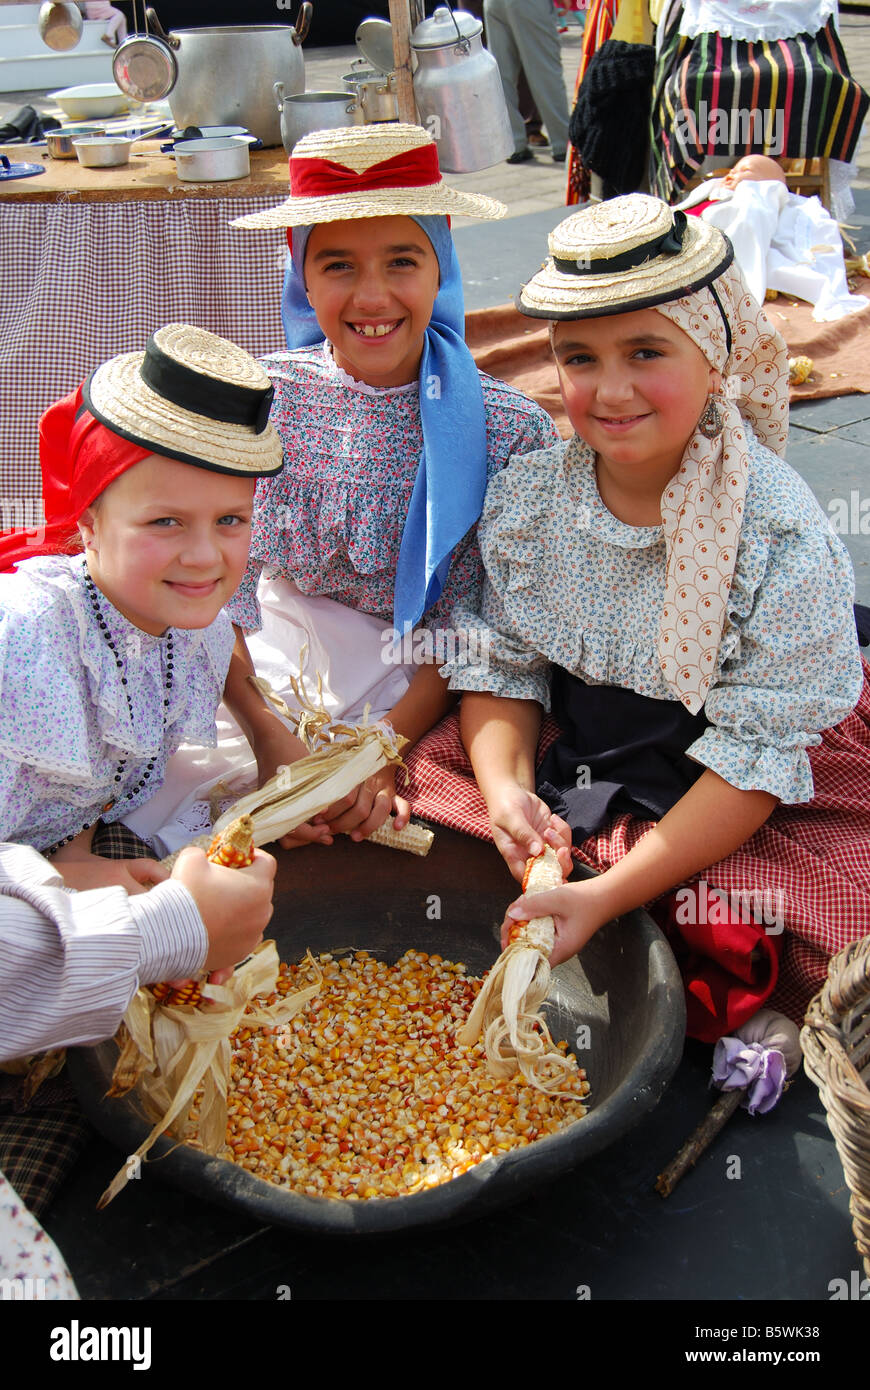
365	1095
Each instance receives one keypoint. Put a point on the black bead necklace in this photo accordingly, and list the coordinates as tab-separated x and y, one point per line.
92	592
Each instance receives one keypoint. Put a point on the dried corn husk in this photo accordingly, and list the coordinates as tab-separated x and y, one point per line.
506	1011
173	1051
347	755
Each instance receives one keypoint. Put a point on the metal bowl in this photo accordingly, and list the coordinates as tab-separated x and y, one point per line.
102	151
59	143
627	990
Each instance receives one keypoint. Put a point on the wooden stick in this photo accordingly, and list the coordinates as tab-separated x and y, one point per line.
702	1137
400	19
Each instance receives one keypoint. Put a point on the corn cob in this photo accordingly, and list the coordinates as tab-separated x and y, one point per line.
416	839
506	1012
234	848
365	1095
800	369
181	1054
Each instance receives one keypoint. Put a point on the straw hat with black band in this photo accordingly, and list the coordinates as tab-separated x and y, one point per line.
190	396
634	253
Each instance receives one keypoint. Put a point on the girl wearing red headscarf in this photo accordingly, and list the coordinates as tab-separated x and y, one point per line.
113	646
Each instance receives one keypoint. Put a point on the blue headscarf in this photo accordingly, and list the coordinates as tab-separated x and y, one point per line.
448	491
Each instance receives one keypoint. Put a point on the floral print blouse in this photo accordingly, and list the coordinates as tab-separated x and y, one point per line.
64	718
332	521
570	584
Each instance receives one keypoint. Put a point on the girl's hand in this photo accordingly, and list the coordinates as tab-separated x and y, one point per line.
522	824
92	871
369	806
574	910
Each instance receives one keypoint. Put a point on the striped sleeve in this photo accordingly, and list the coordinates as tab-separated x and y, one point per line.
70	962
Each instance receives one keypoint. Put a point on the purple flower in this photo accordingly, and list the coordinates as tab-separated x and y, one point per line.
762	1070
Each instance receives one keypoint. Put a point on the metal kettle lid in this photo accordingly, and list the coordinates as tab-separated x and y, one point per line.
440	30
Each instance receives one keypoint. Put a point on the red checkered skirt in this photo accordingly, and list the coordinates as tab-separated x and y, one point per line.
811	860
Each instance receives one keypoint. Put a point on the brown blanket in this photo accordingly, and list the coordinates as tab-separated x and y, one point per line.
508	345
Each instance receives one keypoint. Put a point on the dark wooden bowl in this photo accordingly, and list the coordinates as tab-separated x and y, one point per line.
626	988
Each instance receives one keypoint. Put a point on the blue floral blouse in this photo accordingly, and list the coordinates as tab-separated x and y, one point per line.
570	584
64	718
332	521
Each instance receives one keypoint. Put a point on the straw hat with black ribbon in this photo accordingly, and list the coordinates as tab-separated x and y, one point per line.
635	253
632	252
190	396
386	170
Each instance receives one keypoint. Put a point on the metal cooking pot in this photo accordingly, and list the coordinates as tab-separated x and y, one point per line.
211	161
309	111
375	93
226	75
102	151
59	143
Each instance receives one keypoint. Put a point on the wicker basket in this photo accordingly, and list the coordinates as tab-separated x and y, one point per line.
836	1047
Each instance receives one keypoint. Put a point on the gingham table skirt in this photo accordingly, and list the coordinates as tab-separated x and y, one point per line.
82	281
813	859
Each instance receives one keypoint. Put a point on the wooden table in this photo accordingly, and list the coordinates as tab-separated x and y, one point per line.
94	260
149	174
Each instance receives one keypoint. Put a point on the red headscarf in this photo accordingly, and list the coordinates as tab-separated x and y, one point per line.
79	457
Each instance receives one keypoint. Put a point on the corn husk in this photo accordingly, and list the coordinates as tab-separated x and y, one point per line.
506	1012
172	1052
343	756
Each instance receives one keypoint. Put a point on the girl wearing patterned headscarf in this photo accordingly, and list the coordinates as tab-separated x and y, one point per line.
669	587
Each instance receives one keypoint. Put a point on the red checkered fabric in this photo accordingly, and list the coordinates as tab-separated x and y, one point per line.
812	861
83	281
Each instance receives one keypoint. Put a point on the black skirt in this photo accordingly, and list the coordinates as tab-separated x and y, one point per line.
618	752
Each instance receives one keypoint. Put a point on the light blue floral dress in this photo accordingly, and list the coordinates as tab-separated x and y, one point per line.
569	584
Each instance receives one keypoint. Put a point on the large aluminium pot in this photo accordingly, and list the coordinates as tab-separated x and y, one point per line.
226	75
620	1006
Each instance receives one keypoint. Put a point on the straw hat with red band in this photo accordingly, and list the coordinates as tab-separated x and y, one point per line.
384	170
190	396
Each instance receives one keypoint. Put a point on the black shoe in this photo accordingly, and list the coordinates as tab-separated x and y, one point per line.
521	156
559	158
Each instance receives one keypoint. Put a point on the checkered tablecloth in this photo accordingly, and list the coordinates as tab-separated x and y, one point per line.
82	281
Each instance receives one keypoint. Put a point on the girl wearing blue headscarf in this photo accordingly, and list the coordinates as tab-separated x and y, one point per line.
366	541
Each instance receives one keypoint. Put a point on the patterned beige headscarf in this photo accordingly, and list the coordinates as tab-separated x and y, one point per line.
702	506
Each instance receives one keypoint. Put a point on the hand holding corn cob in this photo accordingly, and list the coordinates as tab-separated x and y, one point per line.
236	911
171	1049
506	1011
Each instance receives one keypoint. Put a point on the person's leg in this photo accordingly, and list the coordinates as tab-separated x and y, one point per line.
502	46
534	33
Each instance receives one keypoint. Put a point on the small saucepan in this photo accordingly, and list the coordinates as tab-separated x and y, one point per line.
210	161
102	151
